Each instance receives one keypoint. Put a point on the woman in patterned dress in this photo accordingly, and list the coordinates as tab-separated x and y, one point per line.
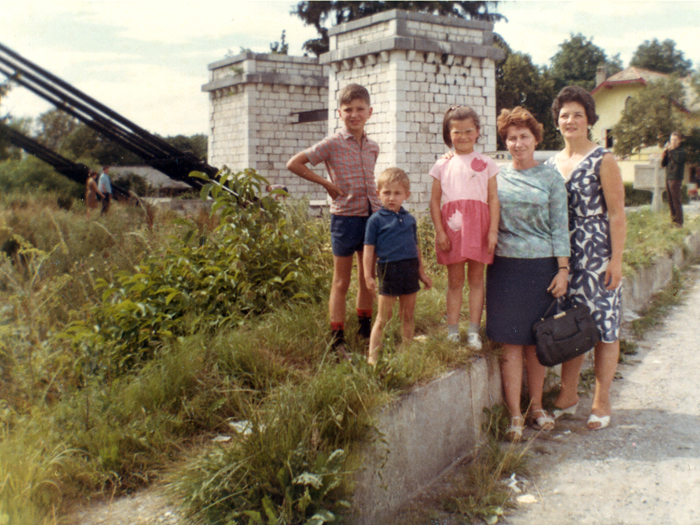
597	228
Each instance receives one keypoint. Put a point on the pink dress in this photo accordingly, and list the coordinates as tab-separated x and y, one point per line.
464	182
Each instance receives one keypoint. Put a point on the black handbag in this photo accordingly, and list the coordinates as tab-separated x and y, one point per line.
565	335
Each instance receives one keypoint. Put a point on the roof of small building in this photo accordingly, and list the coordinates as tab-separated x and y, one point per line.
631	75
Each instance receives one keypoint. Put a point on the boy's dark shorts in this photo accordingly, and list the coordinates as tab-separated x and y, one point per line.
347	234
398	278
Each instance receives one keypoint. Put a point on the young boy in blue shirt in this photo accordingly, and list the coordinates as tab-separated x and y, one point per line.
391	245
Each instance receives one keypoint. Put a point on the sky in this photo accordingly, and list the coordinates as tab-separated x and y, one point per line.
147	59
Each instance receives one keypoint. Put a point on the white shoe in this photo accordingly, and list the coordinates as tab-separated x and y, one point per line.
454	338
474	341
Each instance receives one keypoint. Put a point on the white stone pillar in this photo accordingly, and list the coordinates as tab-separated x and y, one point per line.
415	67
264	108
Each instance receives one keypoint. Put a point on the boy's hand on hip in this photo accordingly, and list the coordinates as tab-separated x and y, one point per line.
334	191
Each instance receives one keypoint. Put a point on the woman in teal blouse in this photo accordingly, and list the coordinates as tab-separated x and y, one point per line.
530	266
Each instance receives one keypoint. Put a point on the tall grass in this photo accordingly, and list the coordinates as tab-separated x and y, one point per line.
70	431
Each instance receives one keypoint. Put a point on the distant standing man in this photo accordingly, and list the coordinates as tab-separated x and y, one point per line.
673	159
105	187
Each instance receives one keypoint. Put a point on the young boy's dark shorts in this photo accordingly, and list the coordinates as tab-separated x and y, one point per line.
398	278
347	234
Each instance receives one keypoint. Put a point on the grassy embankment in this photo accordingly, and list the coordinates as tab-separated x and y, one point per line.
124	351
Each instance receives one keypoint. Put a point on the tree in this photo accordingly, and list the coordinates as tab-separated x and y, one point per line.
281	47
54	126
317	13
650	116
521	83
662	57
195	144
577	61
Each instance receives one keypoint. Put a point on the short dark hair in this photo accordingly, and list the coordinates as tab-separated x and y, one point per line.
457	113
575	94
520	118
353	92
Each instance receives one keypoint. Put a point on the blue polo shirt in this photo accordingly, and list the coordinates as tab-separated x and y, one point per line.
393	235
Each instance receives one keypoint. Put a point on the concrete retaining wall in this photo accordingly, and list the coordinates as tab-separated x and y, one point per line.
638	289
424	432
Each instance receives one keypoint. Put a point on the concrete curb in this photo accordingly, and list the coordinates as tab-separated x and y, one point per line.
638	289
423	433
427	430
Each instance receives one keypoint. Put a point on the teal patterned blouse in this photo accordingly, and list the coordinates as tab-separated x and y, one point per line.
534	214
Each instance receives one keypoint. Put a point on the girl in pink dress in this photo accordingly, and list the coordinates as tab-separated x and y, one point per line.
465	211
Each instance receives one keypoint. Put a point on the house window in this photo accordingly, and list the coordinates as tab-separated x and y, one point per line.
608	138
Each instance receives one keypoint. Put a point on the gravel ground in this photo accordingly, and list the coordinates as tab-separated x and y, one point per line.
643	469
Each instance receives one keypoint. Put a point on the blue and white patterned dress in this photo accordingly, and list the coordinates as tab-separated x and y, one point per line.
591	248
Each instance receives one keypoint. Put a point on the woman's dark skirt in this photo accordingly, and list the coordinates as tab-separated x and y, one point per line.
517	297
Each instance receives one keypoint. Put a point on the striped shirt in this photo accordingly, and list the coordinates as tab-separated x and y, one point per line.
351	167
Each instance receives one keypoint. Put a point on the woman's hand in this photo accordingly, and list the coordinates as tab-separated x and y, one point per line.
613	276
559	284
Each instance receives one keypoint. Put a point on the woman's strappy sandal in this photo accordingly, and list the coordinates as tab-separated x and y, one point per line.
541	420
514	432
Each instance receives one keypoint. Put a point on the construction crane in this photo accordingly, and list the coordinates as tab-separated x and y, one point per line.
153	150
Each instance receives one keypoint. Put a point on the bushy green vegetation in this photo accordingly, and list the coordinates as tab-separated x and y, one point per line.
125	350
650	235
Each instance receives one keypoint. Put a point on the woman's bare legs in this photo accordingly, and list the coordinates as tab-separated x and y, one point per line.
605	366
570	372
512	377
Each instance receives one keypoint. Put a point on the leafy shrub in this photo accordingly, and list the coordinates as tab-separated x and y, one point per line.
288	469
254	260
635	197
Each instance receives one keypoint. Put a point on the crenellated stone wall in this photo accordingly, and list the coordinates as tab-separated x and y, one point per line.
415	67
260	105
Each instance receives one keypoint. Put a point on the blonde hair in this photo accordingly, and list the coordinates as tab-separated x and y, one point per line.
390	175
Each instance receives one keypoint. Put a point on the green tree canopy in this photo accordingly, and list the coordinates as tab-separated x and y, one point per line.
69	137
521	83
319	13
662	57
650	116
577	61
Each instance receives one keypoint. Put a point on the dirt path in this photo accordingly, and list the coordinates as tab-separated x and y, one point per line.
644	468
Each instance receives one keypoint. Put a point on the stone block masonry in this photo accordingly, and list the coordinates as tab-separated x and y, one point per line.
415	67
264	108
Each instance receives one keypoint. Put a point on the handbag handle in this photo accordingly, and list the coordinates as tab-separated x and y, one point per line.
554	302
